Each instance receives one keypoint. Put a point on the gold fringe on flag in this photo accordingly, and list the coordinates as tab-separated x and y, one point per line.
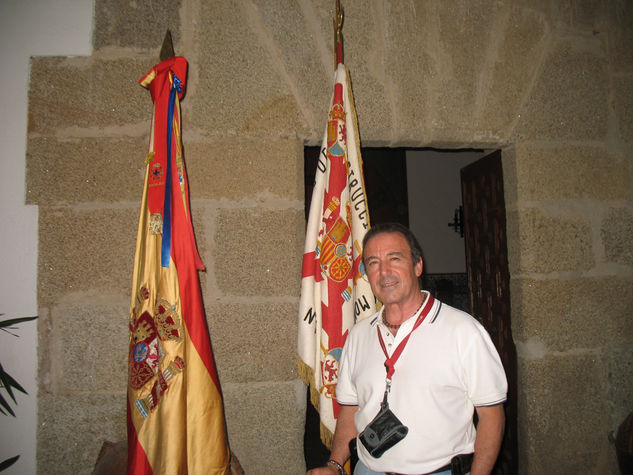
307	375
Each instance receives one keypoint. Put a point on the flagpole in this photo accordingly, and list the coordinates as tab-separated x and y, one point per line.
338	36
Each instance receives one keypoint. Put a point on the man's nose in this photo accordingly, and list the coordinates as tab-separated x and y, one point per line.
383	267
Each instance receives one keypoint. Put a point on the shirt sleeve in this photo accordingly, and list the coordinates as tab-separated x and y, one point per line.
484	373
345	390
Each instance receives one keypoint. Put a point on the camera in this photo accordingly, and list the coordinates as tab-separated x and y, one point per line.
383	432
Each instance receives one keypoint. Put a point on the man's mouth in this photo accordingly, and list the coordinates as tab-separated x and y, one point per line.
385	283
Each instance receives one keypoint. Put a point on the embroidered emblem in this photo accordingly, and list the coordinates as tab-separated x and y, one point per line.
335	256
142	408
331	207
156	172
141	350
181	178
147	352
329	372
155	223
149	403
347	294
336	150
143	293
167	321
139	375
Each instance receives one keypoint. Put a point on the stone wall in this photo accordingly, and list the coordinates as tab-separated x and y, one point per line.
548	82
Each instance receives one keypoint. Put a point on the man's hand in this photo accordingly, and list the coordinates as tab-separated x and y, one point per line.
490	430
345	431
327	470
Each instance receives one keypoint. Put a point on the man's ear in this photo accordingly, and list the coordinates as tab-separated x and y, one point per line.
418	267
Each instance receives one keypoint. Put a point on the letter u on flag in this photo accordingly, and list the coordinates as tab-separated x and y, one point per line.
175	415
335	292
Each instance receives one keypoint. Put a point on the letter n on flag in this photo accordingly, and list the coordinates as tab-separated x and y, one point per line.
335	292
175	413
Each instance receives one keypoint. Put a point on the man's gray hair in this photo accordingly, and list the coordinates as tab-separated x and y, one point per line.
414	245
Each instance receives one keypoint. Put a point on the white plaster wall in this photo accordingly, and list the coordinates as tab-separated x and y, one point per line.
434	186
27	28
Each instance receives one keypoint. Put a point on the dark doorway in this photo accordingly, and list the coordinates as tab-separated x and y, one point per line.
385	172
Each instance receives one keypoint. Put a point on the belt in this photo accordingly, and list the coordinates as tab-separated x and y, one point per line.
441	469
459	465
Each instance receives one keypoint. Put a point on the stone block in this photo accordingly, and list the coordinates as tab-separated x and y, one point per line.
461	49
571	173
362	56
242	169
570	98
85	249
85	170
261	251
299	34
239	86
72	429
140	24
88	93
623	103
265	424
510	178
409	65
584	17
256	342
575	314
618	368
620	37
549	243
89	344
566	415
522	37
616	232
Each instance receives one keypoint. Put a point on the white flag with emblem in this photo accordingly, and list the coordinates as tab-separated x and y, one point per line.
335	292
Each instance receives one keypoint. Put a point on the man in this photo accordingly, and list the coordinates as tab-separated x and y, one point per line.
446	370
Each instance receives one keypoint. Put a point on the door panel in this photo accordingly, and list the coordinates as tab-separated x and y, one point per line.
489	279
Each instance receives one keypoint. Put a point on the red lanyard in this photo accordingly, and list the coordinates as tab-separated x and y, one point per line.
391	362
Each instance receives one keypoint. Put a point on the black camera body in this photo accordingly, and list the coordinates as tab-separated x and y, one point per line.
383	432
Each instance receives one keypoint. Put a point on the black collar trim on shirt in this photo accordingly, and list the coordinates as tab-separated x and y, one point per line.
437	312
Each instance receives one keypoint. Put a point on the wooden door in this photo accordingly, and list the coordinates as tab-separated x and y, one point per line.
489	279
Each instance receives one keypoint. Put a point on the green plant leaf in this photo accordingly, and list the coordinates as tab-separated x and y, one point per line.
14	321
9	382
8	462
5	404
7	324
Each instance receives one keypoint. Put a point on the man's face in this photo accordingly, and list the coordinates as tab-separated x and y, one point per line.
392	275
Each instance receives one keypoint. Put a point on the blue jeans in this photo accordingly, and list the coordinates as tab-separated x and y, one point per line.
362	470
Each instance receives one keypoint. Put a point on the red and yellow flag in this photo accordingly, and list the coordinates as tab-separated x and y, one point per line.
175	413
335	292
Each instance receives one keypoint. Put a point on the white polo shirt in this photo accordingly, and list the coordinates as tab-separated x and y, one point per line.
448	367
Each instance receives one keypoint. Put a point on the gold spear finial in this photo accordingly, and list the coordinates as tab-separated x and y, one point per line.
338	37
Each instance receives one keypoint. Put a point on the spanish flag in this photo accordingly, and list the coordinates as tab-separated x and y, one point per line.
335	292
175	414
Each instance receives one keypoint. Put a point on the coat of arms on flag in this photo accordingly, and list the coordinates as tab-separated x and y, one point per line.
334	290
